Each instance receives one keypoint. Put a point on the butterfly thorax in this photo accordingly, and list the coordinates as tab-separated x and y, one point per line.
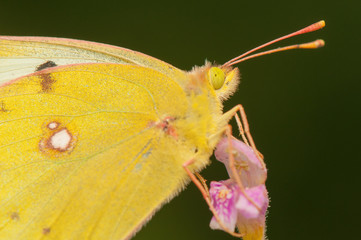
202	124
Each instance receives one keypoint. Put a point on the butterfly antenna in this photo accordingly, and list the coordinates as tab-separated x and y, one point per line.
312	45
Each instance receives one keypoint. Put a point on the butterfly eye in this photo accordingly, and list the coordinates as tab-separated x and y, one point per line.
216	77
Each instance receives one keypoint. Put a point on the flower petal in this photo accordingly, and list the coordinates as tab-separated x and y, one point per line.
251	221
260	197
247	163
223	198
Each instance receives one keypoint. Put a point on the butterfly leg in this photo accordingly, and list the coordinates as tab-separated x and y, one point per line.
232	166
243	128
206	197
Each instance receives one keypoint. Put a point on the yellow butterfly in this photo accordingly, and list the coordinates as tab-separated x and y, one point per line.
93	137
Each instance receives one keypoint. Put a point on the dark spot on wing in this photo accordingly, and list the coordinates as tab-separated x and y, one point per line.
15	216
45	65
46	230
3	107
46	82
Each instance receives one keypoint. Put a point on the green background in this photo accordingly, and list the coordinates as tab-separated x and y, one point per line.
303	106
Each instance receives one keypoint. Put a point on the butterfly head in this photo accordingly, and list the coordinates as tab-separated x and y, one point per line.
220	80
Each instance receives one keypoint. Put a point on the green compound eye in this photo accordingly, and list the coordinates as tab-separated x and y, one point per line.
216	77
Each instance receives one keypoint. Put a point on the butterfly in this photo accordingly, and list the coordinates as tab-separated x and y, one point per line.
93	137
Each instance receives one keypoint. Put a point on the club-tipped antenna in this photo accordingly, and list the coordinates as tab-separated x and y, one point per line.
315	44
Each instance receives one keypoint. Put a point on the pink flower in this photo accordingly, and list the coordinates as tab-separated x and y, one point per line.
234	209
231	204
252	222
260	197
251	170
224	201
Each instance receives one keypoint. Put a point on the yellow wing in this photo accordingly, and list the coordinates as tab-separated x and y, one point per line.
20	56
84	153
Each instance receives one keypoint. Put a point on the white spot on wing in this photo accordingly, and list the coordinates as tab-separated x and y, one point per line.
52	125
60	140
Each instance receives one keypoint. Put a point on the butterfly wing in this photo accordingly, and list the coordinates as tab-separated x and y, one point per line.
81	155
20	56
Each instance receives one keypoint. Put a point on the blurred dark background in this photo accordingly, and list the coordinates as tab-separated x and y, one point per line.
303	105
